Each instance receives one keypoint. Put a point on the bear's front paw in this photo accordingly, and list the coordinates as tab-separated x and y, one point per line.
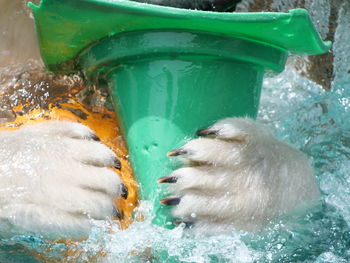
238	176
55	177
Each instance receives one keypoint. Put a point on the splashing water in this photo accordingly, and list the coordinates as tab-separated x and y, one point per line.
297	111
303	114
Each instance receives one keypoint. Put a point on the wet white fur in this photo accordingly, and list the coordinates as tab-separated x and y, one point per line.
242	177
53	178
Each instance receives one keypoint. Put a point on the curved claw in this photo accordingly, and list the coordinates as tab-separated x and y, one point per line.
124	191
173	200
118	214
177	152
206	132
117	164
94	137
167	179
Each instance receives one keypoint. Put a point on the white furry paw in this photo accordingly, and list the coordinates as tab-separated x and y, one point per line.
54	178
238	176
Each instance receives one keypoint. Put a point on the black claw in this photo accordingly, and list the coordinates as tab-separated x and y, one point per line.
206	132
118	214
124	191
188	224
170	201
177	152
117	164
167	179
95	138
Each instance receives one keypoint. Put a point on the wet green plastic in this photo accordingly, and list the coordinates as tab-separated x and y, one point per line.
170	71
167	85
66	27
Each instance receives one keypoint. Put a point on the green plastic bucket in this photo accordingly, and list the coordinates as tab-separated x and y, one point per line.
170	71
167	84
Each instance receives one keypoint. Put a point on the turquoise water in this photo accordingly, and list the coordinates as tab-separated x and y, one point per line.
297	111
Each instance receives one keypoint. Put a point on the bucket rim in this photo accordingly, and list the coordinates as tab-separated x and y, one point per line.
66	27
106	54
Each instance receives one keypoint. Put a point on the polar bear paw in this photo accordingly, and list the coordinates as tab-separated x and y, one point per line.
238	176
54	178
